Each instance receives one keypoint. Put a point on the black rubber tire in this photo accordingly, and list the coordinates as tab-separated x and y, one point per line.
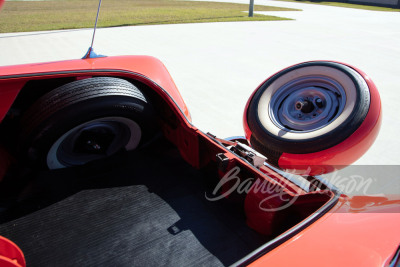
78	103
273	145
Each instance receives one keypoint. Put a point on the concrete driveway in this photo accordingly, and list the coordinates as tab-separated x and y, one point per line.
217	66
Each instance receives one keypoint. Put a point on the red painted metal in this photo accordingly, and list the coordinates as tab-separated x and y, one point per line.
10	254
344	237
270	201
8	93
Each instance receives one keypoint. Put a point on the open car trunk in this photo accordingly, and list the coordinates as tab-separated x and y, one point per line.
186	198
142	208
147	207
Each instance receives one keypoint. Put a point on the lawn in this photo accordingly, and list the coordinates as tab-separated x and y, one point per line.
338	4
24	16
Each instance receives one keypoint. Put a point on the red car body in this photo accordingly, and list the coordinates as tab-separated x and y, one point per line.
334	230
357	231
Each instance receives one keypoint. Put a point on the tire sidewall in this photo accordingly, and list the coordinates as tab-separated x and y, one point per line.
280	144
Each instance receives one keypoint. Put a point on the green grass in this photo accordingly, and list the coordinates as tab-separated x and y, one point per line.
25	16
338	4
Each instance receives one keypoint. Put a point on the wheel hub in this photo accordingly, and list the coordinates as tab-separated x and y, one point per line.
304	106
307	104
94	140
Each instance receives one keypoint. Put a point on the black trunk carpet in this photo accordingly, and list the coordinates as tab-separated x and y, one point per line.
138	209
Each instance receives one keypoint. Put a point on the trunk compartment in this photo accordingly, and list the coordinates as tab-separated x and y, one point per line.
142	208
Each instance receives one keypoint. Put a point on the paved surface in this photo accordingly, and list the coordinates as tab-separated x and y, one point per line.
216	66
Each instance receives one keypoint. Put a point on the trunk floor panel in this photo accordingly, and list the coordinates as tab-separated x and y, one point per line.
138	209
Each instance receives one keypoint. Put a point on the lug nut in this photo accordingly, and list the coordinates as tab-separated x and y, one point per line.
318	102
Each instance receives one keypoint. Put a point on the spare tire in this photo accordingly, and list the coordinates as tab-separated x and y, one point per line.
85	120
313	117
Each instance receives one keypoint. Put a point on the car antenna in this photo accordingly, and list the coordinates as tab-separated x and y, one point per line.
90	53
